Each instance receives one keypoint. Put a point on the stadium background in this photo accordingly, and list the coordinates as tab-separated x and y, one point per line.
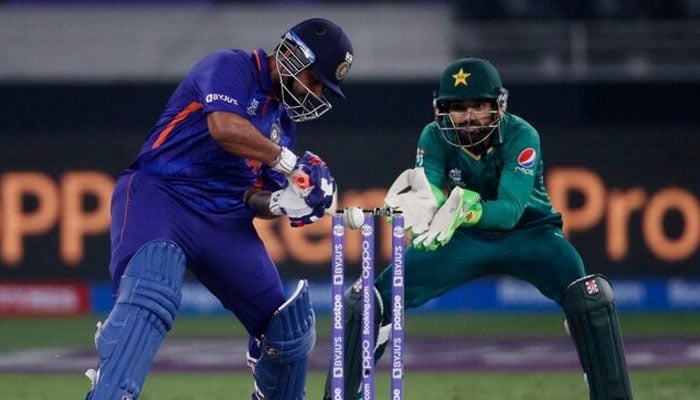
612	86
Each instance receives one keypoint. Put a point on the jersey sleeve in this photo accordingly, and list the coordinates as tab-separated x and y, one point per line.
521	160
271	180
225	81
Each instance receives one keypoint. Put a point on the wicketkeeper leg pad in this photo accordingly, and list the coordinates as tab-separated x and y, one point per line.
147	300
591	316
352	340
280	372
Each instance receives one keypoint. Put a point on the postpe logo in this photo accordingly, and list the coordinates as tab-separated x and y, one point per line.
527	158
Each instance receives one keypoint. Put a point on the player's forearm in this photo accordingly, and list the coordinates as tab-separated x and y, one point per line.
238	136
259	200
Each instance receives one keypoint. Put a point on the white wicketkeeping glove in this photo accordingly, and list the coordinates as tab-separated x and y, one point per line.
411	194
463	207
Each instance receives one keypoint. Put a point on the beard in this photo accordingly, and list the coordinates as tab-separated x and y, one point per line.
470	134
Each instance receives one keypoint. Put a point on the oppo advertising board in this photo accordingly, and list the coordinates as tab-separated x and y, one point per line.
629	192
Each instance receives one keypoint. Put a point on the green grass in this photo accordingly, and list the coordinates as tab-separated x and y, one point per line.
668	384
657	384
17	333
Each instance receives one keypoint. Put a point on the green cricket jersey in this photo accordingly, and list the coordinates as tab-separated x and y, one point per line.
509	177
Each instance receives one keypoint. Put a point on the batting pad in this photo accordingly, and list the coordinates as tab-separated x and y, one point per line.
280	373
589	305
148	298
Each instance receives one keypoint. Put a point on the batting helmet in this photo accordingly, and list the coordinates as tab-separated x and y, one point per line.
322	45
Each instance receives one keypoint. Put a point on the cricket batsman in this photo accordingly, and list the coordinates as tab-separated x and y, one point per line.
476	205
221	154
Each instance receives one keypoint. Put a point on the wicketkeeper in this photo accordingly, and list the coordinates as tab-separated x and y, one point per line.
476	205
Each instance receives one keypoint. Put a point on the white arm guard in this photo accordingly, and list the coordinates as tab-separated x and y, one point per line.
411	194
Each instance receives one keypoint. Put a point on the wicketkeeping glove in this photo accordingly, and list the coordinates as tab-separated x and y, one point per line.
412	195
463	207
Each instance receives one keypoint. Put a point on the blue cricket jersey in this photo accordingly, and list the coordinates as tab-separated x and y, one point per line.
180	150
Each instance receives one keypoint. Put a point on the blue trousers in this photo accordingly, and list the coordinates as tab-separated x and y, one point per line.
223	250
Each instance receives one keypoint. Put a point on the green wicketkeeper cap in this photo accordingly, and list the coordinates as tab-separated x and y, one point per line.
470	78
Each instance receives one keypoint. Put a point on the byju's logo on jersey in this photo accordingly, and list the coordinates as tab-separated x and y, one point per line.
212	97
526	160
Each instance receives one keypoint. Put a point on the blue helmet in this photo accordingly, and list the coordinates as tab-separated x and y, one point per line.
322	45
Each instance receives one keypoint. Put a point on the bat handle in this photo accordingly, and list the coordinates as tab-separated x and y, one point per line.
301	180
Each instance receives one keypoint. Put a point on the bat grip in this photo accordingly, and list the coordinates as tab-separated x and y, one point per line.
301	179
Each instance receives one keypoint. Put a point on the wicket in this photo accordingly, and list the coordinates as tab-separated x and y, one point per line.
397	340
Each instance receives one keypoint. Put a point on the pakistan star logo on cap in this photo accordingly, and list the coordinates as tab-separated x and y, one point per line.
461	77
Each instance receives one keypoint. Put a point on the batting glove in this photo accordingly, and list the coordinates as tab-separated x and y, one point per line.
309	174
290	202
313	180
313	216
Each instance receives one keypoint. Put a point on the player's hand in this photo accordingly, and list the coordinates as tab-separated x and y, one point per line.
312	216
313	181
462	207
411	194
290	202
311	190
309	175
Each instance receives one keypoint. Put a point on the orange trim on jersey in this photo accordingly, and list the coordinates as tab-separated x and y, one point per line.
258	183
255	166
258	61
192	107
264	109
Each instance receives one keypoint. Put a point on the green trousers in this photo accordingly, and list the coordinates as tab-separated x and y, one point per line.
539	255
